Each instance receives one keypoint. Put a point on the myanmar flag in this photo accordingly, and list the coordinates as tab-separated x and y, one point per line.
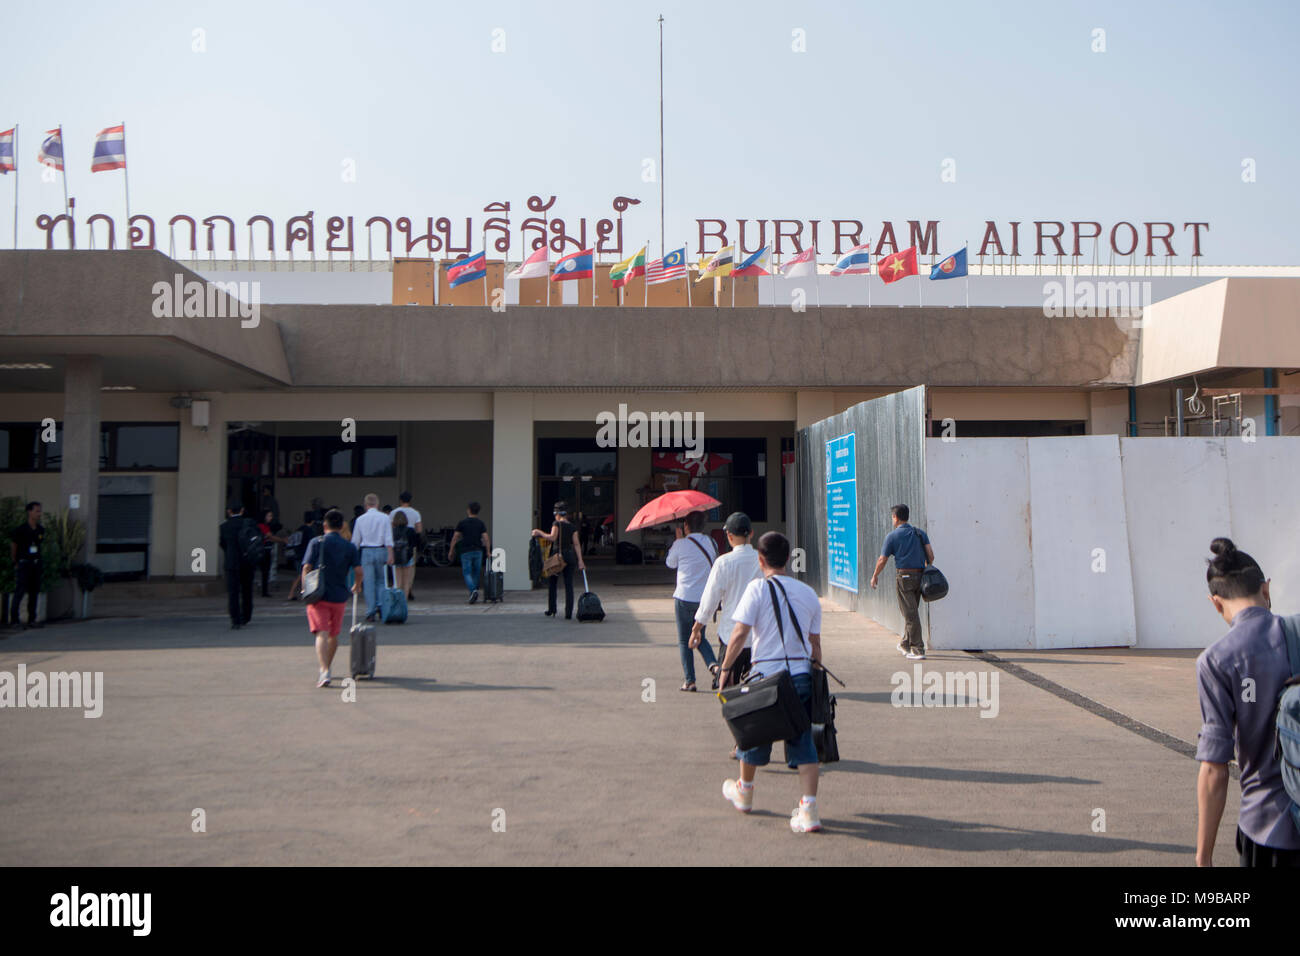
628	269
898	265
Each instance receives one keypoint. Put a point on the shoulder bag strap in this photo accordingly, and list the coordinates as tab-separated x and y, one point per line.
703	550
794	620
1291	627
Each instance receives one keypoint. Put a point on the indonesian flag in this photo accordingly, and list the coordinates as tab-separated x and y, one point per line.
51	153
536	266
897	265
110	149
804	264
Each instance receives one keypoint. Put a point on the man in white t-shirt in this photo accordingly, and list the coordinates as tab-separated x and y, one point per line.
793	644
727	581
692	555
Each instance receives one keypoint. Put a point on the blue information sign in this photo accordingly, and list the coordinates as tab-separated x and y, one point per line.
842	512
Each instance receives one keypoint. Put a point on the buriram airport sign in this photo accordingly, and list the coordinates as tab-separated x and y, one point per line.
459	237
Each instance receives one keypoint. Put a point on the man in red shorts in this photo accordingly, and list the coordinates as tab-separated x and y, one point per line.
335	556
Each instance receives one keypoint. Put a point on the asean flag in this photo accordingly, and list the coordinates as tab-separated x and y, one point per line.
897	265
576	265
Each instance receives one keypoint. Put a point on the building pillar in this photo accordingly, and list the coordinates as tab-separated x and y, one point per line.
82	378
812	407
200	494
514	473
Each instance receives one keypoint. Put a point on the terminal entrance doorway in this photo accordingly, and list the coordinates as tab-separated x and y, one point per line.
585	477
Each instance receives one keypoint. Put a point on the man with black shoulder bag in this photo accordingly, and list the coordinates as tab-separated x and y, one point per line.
785	617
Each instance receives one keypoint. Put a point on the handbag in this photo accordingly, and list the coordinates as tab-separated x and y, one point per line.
933	584
556	563
313	582
823	714
766	709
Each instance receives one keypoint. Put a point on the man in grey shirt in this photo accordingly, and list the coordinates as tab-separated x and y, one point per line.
1239	678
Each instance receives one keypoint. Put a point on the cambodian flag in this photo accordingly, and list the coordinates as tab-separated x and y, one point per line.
953	267
576	265
110	149
468	270
856	262
7	151
51	153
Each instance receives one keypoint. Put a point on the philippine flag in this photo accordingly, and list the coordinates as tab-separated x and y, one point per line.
804	264
576	265
856	262
468	270
954	267
535	266
51	153
7	151
110	149
755	265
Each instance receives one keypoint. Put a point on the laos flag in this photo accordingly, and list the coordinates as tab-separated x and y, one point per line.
954	267
576	265
468	270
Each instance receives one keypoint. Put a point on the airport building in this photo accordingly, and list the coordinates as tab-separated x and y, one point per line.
145	393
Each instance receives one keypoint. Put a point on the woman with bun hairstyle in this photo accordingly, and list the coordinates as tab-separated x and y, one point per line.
1239	679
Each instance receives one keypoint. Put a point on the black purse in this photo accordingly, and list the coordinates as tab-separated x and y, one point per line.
823	715
313	582
767	709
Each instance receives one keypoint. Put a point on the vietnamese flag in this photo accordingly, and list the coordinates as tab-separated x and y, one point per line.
897	265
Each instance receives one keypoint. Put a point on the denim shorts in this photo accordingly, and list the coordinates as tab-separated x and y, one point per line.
802	749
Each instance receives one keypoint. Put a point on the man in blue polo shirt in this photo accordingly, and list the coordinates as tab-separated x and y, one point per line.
910	548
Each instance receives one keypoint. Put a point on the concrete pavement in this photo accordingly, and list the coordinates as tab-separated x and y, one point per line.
496	735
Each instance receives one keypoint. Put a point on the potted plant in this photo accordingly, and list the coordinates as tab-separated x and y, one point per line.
64	538
12	514
88	577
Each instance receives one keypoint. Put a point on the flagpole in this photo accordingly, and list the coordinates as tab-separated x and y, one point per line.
126	186
817	278
67	207
686	274
661	133
645	278
967	248
15	185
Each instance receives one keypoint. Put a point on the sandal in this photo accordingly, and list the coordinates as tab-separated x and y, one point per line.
715	670
689	686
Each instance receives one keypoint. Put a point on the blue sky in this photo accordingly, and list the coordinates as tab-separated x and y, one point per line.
857	127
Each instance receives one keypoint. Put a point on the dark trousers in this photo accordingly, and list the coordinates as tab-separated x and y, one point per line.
570	559
738	669
909	599
1256	854
239	593
265	567
27	582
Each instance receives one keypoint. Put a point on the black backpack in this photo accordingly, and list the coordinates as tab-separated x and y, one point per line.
402	548
251	546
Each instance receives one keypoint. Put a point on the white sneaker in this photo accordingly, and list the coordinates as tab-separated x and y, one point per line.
804	819
902	648
323	679
742	800
914	656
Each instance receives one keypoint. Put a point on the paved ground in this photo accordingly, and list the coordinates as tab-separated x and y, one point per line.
482	714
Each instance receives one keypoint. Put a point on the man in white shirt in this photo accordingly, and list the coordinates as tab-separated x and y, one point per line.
692	554
372	533
406	573
793	644
730	574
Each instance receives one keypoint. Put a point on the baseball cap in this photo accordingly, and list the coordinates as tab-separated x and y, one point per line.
738	523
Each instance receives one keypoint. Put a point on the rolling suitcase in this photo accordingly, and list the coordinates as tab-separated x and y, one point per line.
494	586
589	608
362	641
392	599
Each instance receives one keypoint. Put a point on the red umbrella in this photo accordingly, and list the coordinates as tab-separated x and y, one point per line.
671	506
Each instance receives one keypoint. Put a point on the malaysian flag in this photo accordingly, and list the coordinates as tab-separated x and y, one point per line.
51	153
670	267
110	149
7	150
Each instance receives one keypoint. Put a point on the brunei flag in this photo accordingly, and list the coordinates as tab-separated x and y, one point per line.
629	268
898	265
720	264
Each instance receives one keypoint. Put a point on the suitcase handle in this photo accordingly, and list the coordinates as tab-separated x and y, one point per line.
584	580
354	608
387	569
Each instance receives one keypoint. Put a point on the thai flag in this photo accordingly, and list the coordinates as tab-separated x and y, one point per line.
576	265
110	149
856	262
804	264
670	267
468	270
7	151
51	153
534	267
